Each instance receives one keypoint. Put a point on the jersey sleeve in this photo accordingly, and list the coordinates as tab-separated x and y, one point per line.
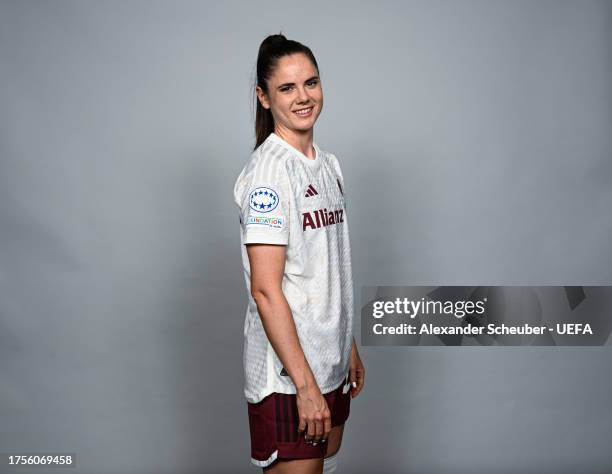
264	199
340	177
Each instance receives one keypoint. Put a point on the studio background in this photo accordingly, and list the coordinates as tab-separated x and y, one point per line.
474	138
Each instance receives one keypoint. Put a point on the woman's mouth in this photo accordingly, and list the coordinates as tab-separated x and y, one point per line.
304	112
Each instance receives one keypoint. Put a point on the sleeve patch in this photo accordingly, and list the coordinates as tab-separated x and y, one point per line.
263	199
273	222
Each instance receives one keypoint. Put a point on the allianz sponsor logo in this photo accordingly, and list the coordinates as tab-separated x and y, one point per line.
321	218
275	222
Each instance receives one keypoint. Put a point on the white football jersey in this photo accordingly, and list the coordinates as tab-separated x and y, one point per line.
286	198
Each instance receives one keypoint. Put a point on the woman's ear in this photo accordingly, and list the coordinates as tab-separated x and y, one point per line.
263	99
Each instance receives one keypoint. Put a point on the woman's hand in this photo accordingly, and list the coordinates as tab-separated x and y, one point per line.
314	415
356	372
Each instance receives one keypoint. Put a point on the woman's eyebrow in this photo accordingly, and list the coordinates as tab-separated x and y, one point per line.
293	83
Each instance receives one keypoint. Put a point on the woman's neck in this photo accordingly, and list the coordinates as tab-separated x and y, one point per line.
300	141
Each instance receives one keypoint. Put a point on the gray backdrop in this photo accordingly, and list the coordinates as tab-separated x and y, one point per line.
475	141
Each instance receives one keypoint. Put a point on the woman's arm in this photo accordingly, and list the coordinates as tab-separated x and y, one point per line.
267	266
356	371
267	263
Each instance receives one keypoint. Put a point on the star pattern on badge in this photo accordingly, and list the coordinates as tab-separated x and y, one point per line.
263	199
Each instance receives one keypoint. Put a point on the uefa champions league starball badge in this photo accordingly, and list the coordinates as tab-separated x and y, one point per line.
263	199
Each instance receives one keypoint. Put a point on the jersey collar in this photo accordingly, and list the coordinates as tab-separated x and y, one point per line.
313	163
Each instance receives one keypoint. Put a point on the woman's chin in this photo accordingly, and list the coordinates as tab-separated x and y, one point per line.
304	125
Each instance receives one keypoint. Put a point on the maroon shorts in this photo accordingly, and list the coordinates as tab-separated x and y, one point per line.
274	426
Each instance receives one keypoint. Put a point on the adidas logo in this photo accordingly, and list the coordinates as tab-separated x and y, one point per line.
284	372
310	191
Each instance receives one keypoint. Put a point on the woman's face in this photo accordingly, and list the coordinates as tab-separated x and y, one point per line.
293	87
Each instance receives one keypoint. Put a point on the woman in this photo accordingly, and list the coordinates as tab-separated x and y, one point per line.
301	361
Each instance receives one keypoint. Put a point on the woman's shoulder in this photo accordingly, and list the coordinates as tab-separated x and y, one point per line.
264	163
269	151
331	157
328	155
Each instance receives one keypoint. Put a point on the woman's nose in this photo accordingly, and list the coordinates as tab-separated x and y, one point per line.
302	94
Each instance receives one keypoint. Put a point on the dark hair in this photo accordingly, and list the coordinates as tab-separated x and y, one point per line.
271	50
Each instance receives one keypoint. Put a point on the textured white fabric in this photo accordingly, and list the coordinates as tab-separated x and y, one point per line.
286	198
330	464
266	462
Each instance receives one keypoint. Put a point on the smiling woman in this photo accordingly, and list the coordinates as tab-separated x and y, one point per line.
289	96
301	363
